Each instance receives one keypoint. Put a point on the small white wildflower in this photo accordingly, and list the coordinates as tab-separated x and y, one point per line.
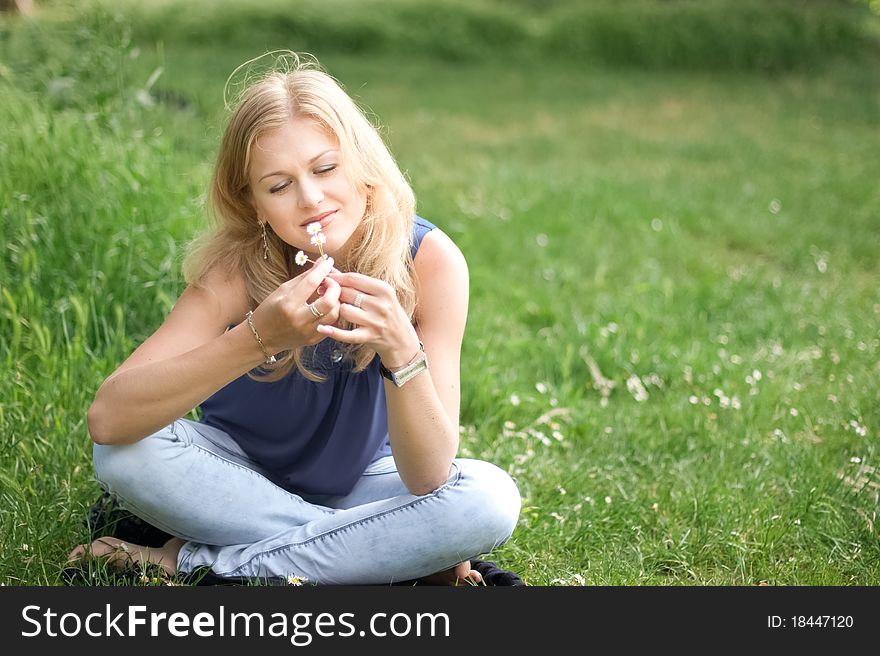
509	425
798	522
607	499
775	206
542	240
319	239
693	400
794	412
857	427
541	387
301	258
293	579
736	359
313	228
756	374
608	430
561	489
855	459
559	518
736	403
635	387
514	399
689	375
24	547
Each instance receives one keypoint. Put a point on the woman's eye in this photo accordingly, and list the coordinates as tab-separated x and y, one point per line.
325	169
281	187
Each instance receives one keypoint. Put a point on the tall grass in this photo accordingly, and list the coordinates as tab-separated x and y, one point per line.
675	317
774	35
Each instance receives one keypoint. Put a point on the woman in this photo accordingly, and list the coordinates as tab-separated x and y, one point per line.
327	446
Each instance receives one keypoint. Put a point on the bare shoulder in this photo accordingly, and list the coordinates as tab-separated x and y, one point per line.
224	291
438	253
441	279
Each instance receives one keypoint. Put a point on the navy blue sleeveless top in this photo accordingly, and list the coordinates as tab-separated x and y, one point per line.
312	437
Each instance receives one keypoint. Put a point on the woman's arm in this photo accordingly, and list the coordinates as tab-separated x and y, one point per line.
191	355
423	413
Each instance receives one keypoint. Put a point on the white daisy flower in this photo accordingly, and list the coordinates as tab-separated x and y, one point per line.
313	228
293	579
318	239
301	258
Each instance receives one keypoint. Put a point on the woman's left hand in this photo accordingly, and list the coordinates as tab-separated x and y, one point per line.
371	305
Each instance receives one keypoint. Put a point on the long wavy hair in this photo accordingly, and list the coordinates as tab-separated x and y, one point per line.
380	246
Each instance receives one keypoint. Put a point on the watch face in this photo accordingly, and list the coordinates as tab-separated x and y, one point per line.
419	364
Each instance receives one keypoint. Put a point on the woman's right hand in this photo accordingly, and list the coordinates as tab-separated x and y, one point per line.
284	320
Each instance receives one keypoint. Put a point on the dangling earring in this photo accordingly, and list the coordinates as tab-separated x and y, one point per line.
265	242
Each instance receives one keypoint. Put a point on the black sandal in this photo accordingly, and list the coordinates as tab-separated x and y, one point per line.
494	575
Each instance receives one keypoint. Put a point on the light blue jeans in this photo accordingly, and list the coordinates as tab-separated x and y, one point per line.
194	481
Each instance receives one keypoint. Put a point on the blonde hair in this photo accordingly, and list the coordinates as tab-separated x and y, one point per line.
380	246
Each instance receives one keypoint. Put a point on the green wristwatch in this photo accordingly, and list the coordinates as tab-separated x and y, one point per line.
412	369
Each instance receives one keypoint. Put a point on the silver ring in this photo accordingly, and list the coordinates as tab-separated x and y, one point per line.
315	311
358	299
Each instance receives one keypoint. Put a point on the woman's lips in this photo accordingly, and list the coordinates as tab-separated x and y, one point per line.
323	219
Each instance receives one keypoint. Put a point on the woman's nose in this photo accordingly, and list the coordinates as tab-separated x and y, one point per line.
310	194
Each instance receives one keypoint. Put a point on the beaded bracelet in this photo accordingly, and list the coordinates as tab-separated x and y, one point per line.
270	359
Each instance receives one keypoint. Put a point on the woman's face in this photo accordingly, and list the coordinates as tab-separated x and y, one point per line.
296	178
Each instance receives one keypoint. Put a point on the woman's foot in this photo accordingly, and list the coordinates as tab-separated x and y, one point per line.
461	574
120	555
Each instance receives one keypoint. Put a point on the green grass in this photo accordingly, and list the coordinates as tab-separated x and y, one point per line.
682	230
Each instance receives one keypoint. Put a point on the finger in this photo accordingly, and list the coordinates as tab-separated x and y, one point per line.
322	286
326	307
351	296
355	315
318	272
356	336
329	303
332	292
370	285
306	270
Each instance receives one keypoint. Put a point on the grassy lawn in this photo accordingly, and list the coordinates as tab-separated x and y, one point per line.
675	313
